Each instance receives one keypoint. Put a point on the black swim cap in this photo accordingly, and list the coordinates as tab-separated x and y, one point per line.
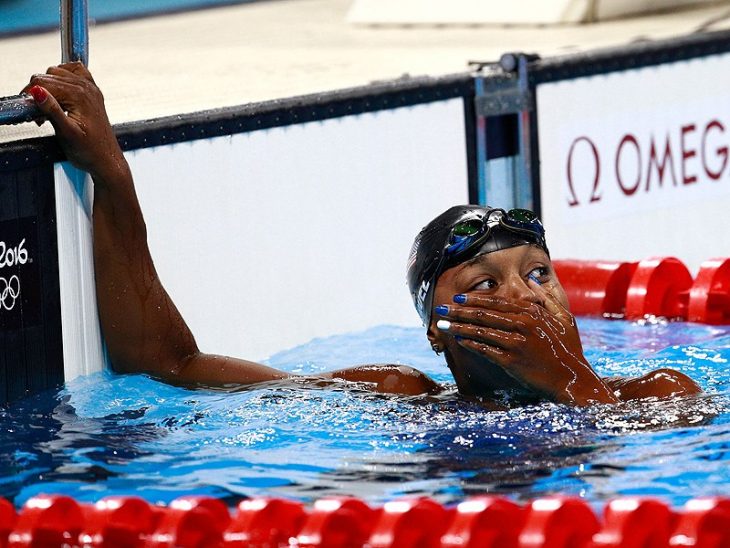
461	233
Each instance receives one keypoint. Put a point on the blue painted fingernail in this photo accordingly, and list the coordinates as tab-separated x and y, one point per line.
534	279
458	338
443	325
441	310
460	298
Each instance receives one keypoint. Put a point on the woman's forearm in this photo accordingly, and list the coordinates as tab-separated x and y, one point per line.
142	327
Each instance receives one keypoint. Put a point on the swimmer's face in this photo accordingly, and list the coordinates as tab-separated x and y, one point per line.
504	273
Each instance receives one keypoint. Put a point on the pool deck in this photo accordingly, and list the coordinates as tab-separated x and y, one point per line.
228	56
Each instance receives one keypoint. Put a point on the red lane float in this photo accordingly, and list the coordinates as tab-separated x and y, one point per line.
485	522
337	523
657	288
190	522
595	287
48	522
558	522
653	287
709	298
8	517
265	522
634	523
416	523
703	523
117	521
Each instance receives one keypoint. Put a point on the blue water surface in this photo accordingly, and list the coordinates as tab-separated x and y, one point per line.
21	16
107	434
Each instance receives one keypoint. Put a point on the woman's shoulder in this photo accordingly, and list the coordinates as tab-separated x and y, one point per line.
660	383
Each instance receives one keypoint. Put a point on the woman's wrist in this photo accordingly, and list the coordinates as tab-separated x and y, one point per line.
113	171
585	388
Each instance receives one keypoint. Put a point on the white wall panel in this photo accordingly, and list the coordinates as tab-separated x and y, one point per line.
82	345
268	239
635	163
520	12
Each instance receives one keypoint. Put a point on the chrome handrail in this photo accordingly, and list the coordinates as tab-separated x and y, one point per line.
18	108
74	31
74	47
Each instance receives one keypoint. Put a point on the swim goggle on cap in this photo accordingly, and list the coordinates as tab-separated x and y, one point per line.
460	234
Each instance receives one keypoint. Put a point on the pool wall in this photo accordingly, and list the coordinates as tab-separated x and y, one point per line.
277	210
640	156
31	347
278	222
300	231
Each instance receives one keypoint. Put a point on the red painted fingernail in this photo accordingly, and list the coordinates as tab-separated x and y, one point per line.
39	94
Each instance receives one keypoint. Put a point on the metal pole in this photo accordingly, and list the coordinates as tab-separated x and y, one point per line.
505	90
524	188
74	31
74	47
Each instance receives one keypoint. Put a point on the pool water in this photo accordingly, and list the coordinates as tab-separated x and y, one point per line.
107	434
23	16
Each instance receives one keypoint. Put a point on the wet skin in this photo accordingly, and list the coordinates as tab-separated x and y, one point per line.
505	328
143	330
515	335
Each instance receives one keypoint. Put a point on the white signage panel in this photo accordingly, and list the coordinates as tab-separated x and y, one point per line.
268	239
635	163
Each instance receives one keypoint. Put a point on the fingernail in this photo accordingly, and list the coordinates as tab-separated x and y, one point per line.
534	279
441	310
443	325
39	94
460	298
458	338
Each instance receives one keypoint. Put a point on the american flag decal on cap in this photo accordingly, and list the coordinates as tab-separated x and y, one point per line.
414	252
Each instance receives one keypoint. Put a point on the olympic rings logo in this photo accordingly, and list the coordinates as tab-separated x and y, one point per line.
9	292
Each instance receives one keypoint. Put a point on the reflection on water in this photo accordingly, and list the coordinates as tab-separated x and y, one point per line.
109	434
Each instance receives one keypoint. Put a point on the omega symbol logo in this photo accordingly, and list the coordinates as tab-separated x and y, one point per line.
9	292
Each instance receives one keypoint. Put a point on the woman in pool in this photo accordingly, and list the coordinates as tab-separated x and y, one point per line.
481	279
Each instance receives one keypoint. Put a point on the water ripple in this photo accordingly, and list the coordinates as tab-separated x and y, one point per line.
107	434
